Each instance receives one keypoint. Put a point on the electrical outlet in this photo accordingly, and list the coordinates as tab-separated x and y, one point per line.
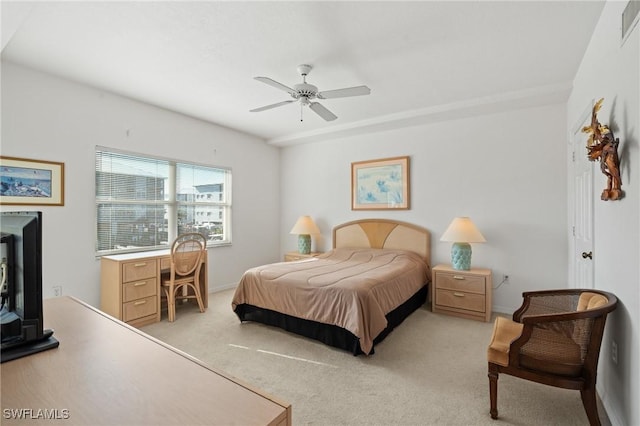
57	290
614	352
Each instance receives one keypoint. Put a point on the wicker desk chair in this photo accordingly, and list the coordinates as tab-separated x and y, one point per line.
554	339
187	253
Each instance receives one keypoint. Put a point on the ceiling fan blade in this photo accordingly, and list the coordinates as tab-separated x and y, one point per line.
322	111
275	84
272	106
342	93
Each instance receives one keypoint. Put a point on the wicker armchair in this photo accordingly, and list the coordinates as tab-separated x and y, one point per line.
187	252
554	339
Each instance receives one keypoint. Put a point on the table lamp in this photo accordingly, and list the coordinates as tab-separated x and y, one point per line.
304	227
461	232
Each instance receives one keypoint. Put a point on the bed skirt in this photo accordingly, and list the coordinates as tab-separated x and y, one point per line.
328	334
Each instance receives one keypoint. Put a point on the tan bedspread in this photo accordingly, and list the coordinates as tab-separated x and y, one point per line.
351	288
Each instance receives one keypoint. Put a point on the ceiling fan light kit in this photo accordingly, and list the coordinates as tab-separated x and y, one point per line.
305	93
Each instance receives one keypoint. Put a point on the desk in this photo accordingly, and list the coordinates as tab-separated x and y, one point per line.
107	373
130	285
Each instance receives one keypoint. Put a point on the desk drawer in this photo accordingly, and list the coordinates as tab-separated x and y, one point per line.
139	308
139	270
138	289
460	300
187	257
461	282
165	264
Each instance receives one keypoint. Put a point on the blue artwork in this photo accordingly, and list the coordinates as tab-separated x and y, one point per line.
25	182
380	185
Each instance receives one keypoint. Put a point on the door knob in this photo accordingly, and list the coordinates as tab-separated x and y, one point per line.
587	255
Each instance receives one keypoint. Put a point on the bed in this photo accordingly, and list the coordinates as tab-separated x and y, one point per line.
351	297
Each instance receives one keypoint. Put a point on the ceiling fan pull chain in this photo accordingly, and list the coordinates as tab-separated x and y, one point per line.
301	108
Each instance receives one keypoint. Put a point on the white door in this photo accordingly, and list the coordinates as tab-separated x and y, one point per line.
583	208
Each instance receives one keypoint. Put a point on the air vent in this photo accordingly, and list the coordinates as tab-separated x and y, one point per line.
630	17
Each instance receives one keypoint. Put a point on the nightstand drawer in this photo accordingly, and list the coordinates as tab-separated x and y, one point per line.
465	294
460	282
460	300
139	308
292	256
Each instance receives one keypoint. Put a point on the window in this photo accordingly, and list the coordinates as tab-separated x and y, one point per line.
143	203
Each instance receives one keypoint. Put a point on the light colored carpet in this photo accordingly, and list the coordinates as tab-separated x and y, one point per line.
431	370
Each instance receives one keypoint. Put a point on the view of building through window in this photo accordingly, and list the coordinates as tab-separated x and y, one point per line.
143	203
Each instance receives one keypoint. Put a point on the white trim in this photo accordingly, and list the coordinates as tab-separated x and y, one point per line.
538	96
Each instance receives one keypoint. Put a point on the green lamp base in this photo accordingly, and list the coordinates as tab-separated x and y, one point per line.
461	256
304	243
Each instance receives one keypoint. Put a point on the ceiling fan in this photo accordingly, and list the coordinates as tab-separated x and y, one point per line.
306	93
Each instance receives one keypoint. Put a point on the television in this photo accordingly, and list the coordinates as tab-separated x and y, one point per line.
22	330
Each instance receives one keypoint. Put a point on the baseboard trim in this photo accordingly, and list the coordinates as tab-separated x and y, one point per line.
223	287
604	408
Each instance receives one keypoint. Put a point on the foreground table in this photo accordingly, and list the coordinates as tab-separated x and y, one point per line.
108	373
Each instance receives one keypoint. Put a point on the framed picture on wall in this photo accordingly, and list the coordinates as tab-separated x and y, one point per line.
380	184
31	182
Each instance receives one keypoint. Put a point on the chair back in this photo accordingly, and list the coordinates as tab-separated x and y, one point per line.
568	341
186	253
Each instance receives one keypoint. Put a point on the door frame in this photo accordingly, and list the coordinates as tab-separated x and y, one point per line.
575	146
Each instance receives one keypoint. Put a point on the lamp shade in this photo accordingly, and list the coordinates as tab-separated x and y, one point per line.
303	227
461	232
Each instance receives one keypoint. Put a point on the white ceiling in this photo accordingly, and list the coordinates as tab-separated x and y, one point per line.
423	60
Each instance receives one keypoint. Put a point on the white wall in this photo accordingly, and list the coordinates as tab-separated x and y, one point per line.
506	171
47	118
612	71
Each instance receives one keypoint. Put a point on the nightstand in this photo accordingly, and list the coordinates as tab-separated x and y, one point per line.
465	294
294	255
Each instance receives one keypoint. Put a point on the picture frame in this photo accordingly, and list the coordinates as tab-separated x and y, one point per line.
381	184
31	182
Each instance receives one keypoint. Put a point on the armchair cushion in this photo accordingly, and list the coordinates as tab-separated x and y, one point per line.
589	300
551	352
505	332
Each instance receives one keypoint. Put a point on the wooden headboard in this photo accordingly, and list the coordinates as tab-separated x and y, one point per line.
383	233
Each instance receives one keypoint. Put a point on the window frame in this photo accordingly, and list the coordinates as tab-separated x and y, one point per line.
171	202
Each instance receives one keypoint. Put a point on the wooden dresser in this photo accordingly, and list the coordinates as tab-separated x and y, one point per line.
464	294
107	373
130	285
